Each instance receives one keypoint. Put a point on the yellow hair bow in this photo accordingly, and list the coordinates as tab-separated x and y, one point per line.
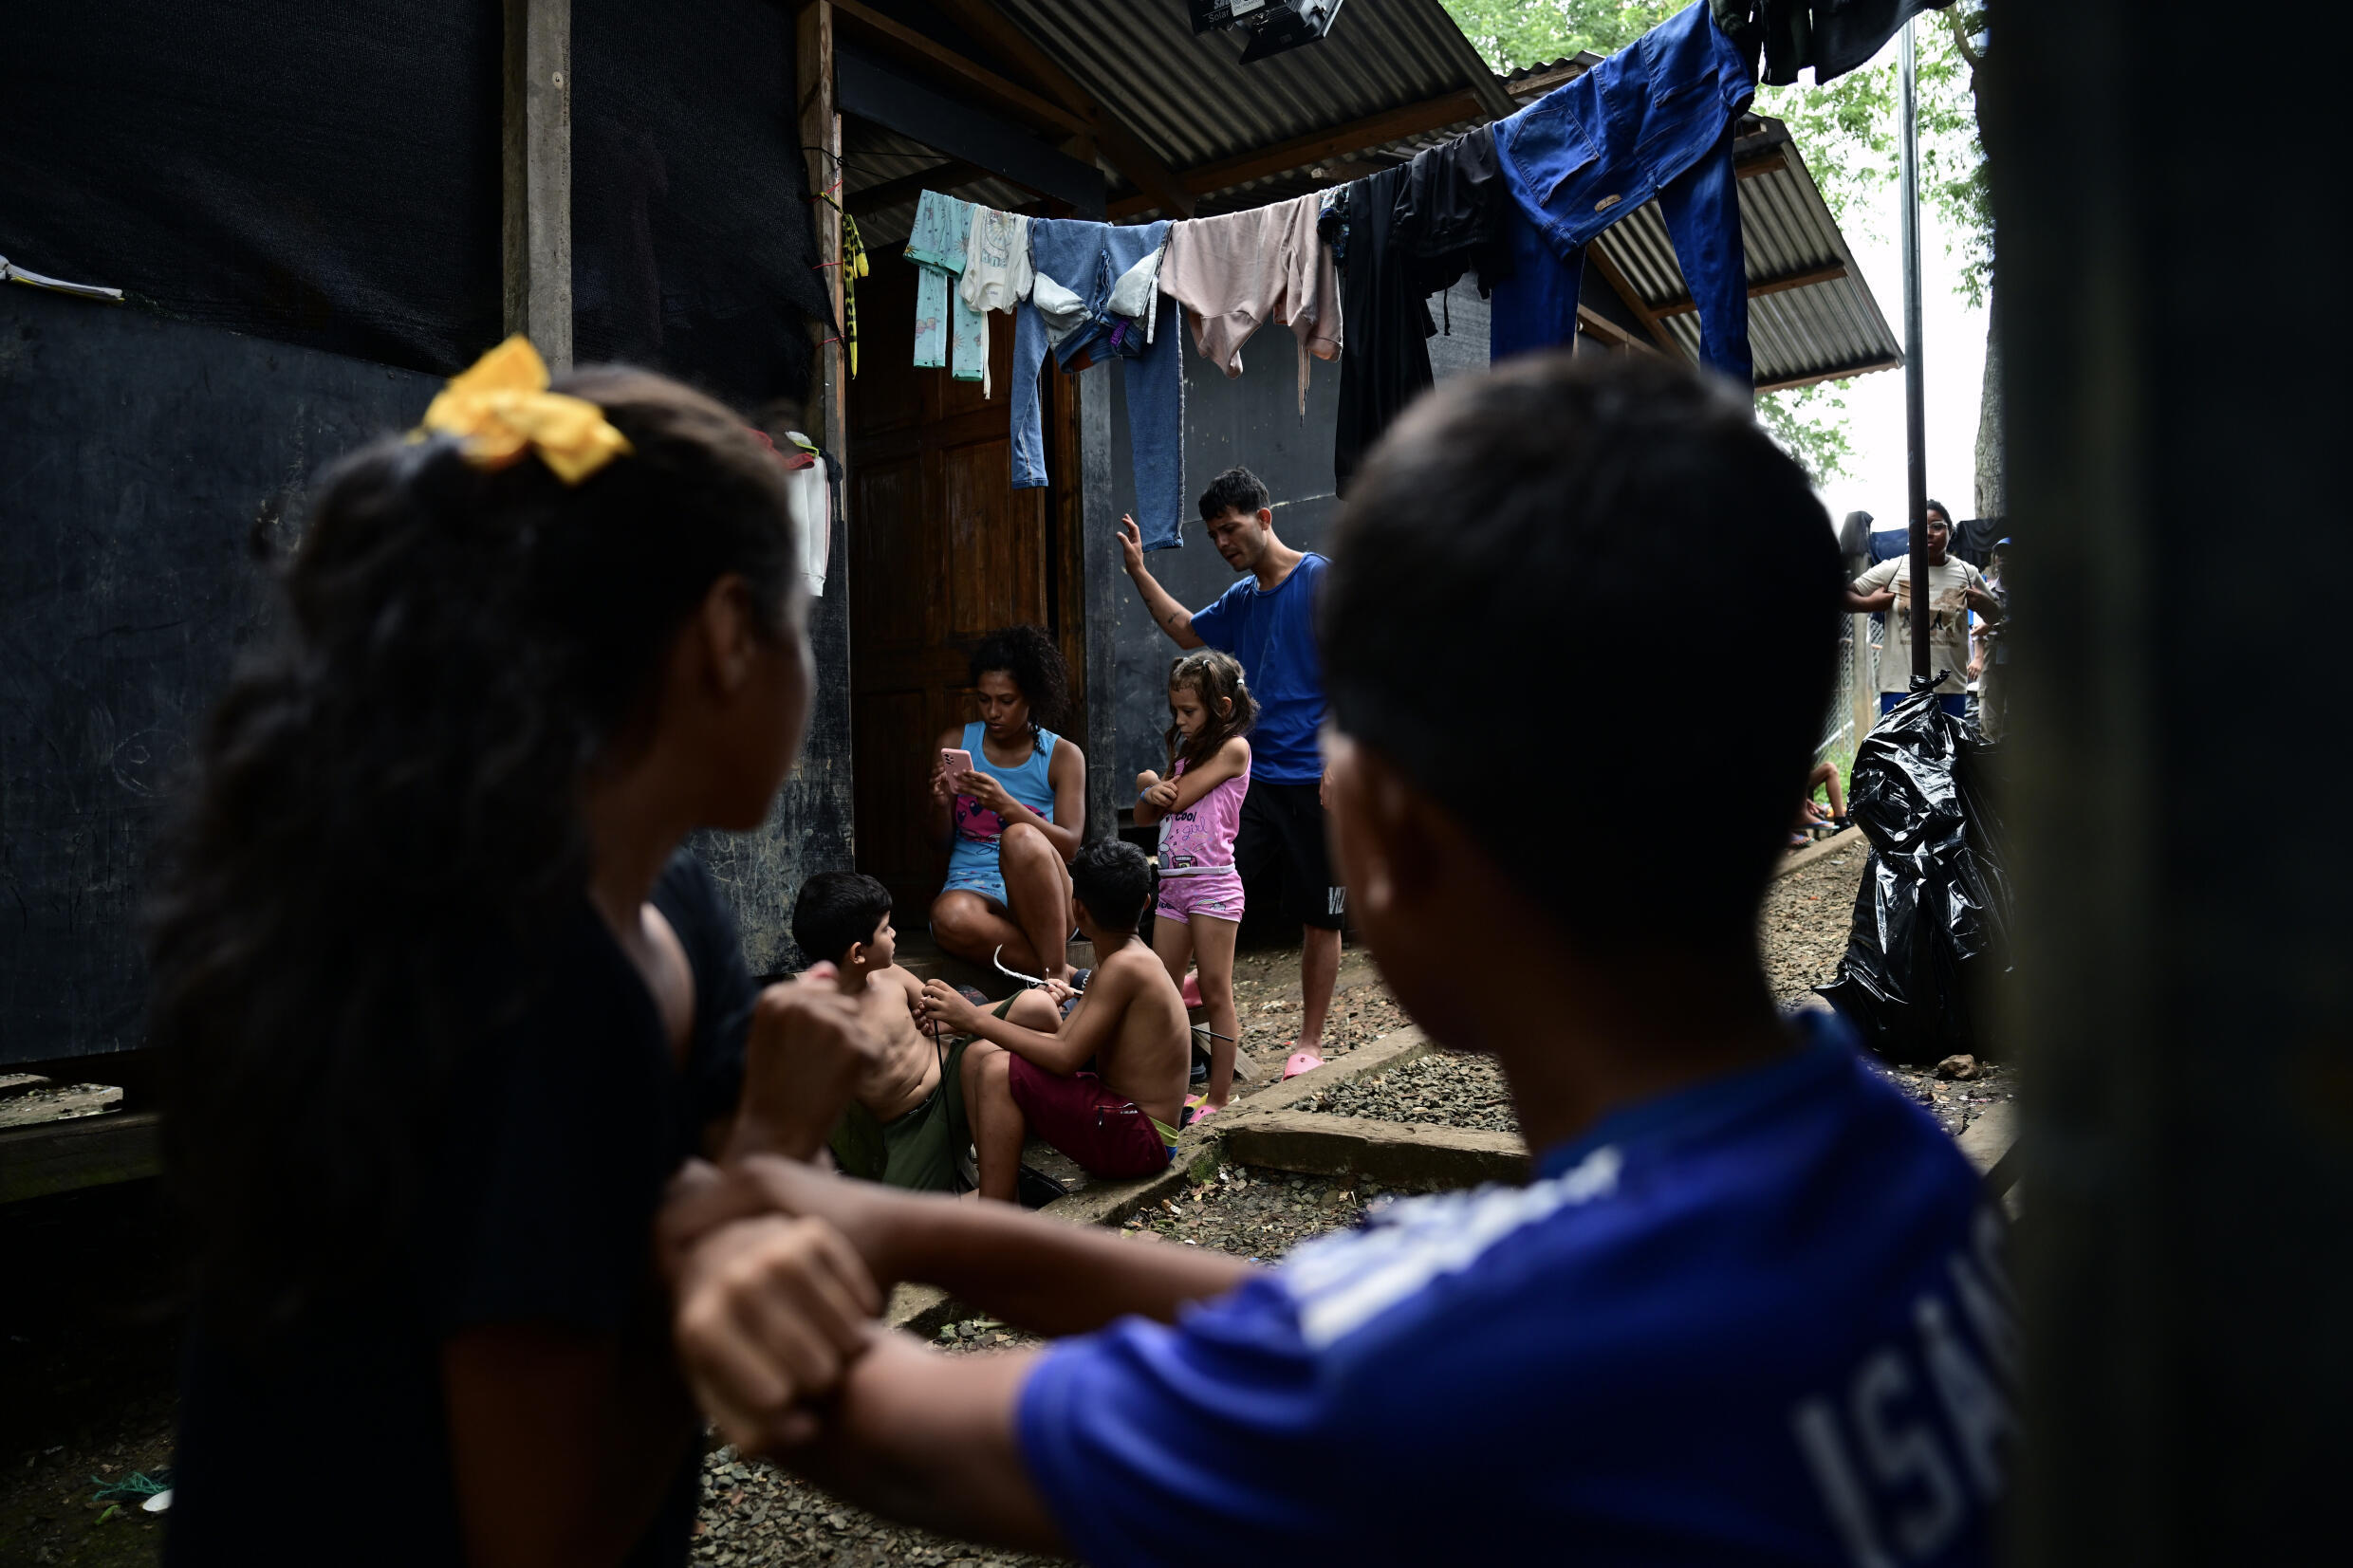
502	408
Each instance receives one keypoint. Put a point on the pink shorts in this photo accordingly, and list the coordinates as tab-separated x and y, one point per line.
1108	1135
1217	896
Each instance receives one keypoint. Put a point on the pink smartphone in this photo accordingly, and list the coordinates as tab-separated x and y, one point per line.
958	760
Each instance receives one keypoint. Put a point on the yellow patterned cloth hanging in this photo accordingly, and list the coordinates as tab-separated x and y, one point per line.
502	408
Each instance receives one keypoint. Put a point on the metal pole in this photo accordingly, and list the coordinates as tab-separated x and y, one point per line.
1915	418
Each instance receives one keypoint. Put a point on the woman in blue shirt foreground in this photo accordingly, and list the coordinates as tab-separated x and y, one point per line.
1749	1308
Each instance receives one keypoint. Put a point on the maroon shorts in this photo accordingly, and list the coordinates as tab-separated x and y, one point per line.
1108	1135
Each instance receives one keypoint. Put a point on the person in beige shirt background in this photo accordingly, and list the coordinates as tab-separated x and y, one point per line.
1954	588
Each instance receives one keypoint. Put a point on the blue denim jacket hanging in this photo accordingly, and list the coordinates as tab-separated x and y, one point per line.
1088	260
1655	120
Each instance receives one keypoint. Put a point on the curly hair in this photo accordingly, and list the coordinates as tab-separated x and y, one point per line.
1215	676
1029	656
386	804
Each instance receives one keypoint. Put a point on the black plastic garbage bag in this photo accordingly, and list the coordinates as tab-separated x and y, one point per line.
1932	919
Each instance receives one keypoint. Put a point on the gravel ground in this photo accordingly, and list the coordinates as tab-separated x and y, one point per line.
1266	997
755	1515
1803	932
1439	1090
25	1099
1803	929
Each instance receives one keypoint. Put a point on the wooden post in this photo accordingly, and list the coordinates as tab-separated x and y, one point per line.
820	134
538	155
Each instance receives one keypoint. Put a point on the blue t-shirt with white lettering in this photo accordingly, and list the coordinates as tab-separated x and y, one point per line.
1761	1320
1273	636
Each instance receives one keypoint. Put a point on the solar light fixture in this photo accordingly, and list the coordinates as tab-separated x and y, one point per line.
1273	25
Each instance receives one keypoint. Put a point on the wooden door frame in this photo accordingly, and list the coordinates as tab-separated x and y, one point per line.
1076	411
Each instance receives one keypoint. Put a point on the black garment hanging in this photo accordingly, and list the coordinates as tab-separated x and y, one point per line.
1398	238
1451	214
1832	36
1384	357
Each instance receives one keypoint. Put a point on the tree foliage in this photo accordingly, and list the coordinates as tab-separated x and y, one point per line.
1846	131
1810	423
1513	33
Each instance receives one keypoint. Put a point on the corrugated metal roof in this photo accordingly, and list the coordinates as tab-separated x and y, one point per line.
872	155
1796	334
1193	100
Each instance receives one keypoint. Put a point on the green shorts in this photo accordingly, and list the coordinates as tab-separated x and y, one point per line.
918	1149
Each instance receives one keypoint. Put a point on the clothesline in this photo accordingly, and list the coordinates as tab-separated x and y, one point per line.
1350	269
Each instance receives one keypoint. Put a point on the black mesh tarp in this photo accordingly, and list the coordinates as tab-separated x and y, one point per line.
691	237
330	176
326	176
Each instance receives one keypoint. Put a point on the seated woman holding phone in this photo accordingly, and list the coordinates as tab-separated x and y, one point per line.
1009	795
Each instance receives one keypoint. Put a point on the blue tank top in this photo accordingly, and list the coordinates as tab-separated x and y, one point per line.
977	828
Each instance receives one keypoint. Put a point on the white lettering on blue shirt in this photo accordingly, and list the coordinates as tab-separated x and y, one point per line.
1341	1282
1906	1489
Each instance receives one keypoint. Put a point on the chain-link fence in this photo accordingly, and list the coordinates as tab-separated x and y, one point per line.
1854	695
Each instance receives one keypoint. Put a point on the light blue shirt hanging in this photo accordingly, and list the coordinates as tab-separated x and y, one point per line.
946	330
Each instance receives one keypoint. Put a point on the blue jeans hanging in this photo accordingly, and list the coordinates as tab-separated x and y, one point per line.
1088	259
1655	120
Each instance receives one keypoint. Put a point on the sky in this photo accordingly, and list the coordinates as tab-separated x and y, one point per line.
1953	357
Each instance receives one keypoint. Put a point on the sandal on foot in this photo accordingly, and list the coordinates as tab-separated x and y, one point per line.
1198	1110
1302	1061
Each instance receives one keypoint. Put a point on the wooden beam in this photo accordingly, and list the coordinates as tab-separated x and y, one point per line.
951	124
1890	362
914	48
1122	147
536	149
944	177
820	137
1633	298
1372	131
1831	274
60	1157
1764	163
1601	326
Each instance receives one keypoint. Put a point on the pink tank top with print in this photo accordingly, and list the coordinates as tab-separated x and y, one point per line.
1198	842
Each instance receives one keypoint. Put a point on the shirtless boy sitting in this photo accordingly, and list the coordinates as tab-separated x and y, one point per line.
1032	1074
906	1123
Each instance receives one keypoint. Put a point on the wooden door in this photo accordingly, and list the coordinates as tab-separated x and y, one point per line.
943	550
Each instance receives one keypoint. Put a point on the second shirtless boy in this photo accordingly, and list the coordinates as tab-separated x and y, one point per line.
1106	1085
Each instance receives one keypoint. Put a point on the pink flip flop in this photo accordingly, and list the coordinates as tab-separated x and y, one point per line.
1190	990
1198	1110
1302	1061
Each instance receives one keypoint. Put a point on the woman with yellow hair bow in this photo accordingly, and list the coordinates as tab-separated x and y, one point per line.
446	1002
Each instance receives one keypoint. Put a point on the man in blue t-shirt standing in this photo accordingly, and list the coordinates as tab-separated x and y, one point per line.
1748	1307
1267	622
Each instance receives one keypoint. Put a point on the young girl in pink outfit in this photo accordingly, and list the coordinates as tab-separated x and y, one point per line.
1198	807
